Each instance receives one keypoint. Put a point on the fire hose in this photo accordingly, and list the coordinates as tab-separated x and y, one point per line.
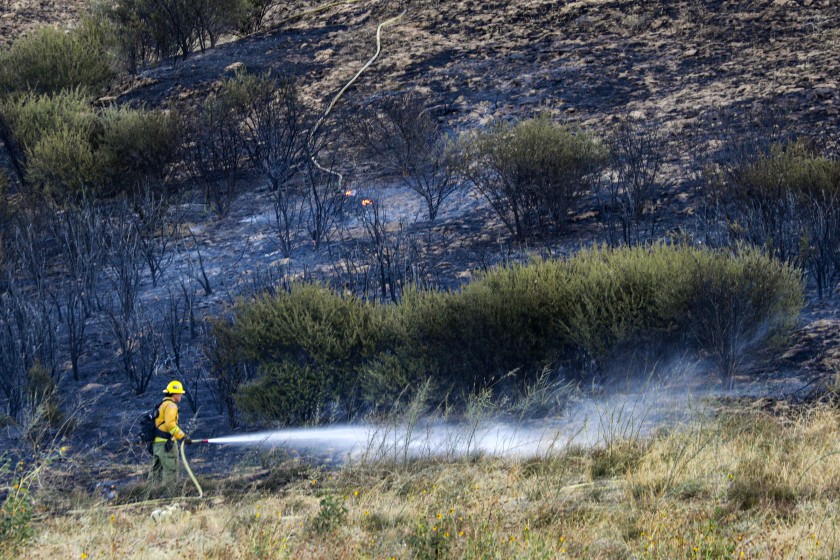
385	23
189	470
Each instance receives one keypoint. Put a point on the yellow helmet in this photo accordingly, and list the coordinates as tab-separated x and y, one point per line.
174	388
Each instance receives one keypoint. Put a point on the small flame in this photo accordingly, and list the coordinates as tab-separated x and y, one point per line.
366	202
350	193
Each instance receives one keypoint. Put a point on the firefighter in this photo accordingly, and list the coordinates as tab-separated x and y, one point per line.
165	446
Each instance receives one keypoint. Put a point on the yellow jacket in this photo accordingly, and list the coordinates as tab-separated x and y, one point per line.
167	420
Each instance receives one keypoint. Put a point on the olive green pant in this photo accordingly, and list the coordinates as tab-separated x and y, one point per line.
164	464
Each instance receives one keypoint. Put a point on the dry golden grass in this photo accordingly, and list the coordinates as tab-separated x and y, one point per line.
745	484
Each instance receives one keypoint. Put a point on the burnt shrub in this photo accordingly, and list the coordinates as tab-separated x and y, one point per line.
253	14
531	172
50	61
787	200
401	137
600	306
43	398
216	151
4	214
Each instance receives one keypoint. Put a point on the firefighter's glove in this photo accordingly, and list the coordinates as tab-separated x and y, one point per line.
187	440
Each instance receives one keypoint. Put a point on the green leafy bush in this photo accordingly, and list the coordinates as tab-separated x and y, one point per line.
16	513
138	145
69	148
331	515
33	116
49	61
733	305
310	341
64	164
287	393
792	168
531	172
601	305
15	519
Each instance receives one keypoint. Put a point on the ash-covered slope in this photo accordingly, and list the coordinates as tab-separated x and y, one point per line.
679	64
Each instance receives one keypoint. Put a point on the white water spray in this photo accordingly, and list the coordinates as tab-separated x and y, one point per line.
586	422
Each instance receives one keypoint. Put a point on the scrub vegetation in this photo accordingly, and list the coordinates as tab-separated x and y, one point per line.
601	312
748	483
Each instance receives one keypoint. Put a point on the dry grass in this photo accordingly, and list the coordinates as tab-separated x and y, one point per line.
744	484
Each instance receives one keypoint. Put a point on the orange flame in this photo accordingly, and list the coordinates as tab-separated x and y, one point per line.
367	202
349	193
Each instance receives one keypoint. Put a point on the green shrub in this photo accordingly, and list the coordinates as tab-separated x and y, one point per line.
792	168
731	306
428	541
50	61
15	520
601	305
286	393
321	339
17	510
65	164
33	116
331	515
531	172
138	145
70	148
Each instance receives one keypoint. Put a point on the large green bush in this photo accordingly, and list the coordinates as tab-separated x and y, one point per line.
311	340
600	306
68	147
49	61
531	172
792	168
